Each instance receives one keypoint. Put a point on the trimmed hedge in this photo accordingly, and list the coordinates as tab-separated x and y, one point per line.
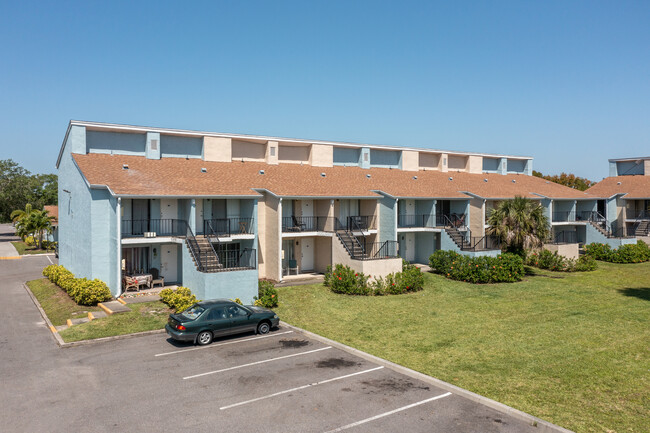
630	253
180	299
505	268
267	295
82	290
555	262
344	280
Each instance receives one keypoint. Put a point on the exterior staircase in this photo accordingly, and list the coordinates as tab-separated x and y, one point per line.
456	236
351	244
642	229
599	226
203	255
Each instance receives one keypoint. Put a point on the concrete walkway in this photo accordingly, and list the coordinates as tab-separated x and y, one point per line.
7	250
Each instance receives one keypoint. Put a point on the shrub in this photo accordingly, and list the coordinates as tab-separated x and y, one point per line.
630	253
82	290
237	301
267	295
555	262
180	299
346	281
505	268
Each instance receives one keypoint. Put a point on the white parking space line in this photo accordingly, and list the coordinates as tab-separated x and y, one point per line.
299	388
223	344
258	362
363	421
51	262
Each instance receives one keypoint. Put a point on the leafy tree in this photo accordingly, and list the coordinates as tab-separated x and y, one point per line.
19	187
40	222
570	180
520	224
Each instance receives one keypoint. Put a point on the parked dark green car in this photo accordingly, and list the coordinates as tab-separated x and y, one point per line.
208	319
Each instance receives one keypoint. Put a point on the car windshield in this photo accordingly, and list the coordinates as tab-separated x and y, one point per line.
193	312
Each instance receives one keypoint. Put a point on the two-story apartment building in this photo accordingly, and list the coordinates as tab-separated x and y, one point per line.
216	211
625	197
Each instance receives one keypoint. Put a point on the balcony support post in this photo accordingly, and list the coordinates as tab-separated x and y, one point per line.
118	213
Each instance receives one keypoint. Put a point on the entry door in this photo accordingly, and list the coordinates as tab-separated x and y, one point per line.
307	254
307	208
169	262
168	209
410	247
199	215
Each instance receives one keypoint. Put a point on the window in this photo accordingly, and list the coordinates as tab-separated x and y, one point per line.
235	311
216	313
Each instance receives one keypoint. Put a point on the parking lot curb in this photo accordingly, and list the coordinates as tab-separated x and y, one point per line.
55	334
543	426
11	258
105	308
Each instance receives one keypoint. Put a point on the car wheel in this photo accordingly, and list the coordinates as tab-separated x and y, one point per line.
204	337
263	328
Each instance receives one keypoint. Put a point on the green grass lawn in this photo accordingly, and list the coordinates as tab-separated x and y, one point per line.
58	306
145	316
573	349
23	249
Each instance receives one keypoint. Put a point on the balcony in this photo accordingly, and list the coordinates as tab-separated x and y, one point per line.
237	260
415	221
228	226
571	216
451	220
152	228
357	223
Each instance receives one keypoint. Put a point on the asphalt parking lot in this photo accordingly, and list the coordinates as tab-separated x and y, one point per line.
287	381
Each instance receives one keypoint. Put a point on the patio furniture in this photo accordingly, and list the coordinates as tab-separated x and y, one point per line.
243	225
293	266
156	278
298	226
143	279
130	283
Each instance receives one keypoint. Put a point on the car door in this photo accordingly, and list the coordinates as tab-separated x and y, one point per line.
240	319
217	321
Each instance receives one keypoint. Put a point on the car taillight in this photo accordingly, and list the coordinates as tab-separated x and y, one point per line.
180	327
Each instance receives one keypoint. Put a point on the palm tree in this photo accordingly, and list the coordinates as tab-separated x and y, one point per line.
520	224
40	221
18	216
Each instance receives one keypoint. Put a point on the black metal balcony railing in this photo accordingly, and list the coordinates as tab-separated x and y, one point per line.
307	224
237	260
451	220
229	226
161	227
380	250
640	215
567	216
409	221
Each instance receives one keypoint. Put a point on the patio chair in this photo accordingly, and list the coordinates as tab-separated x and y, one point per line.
298	226
157	279
293	266
130	283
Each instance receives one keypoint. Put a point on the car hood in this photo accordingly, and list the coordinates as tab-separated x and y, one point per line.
260	309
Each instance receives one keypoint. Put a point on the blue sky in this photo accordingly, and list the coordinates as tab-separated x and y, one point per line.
567	82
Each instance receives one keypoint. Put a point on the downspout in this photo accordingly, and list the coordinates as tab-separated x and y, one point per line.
119	246
395	228
278	227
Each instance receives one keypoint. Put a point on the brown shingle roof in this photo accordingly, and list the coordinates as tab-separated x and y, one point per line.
634	186
52	211
181	177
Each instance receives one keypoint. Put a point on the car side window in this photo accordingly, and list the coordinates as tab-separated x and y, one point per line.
235	311
216	313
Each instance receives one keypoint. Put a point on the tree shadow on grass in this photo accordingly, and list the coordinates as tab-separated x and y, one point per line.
641	293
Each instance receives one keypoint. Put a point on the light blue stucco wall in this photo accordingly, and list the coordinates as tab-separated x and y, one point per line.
119	143
546	206
593	235
181	147
516	166
491	165
346	156
88	239
152	152
627	168
503	166
426	207
387	228
425	245
611	210
236	284
587	206
385	158
613	172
